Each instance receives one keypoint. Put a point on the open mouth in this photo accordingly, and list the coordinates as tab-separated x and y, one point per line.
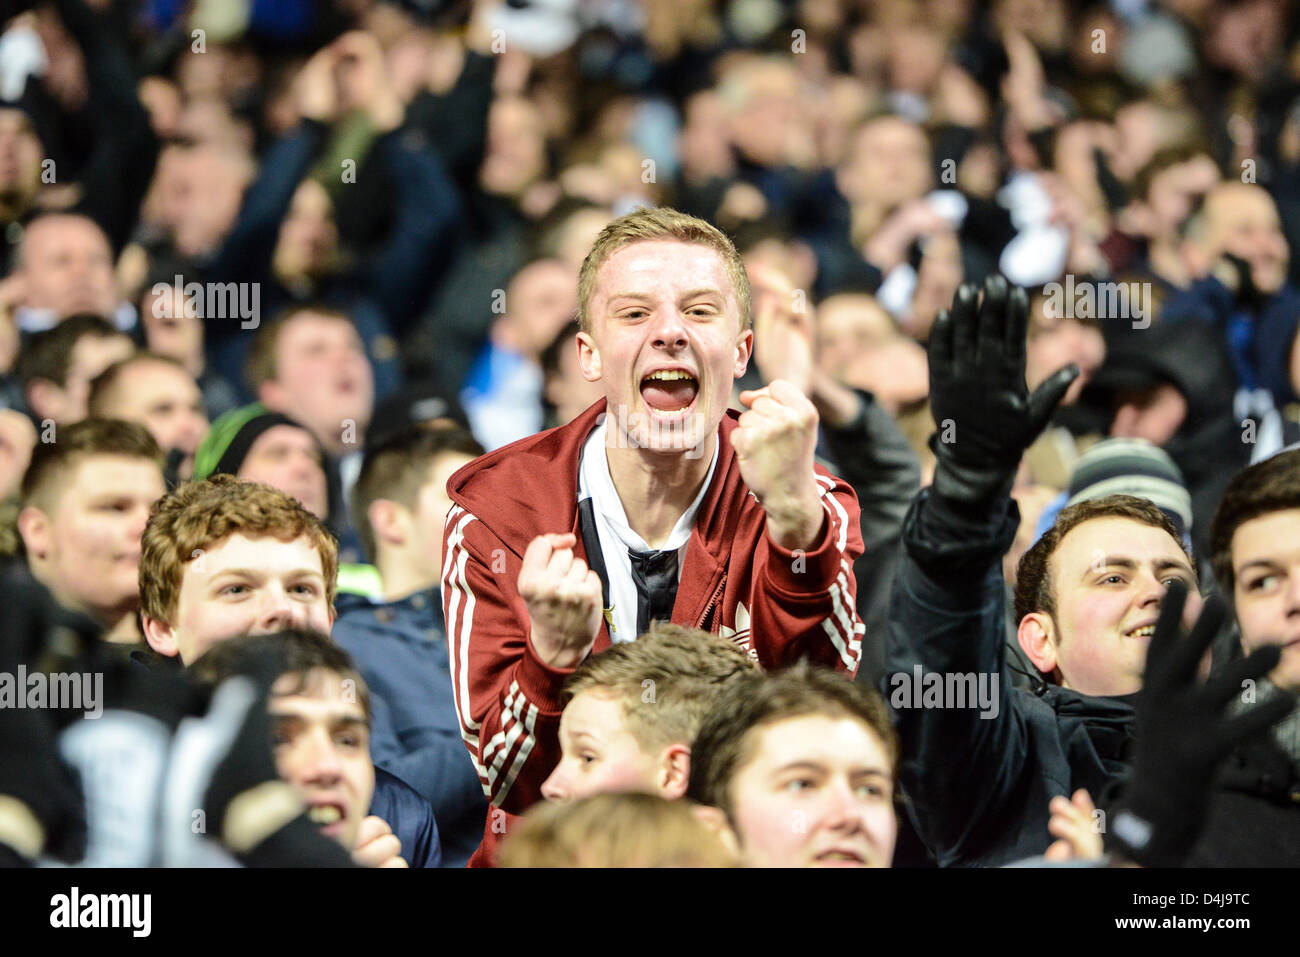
328	816
840	858
669	392
1143	631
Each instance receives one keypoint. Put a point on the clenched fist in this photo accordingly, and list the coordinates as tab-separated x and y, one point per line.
564	600
377	845
775	442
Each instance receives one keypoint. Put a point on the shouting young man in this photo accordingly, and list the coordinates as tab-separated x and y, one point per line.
657	503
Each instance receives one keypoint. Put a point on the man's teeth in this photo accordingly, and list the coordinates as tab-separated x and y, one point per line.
670	375
324	814
1146	631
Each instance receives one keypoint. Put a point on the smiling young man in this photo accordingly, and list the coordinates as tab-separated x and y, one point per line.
1088	593
979	780
656	504
223	558
802	764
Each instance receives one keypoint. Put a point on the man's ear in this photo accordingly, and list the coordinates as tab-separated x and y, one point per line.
744	349
674	771
45	398
1038	640
34	527
715	821
588	357
160	635
389	521
271	395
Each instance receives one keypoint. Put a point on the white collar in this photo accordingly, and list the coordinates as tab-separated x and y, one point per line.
594	481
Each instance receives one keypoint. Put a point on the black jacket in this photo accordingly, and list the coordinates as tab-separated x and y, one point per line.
1254	813
872	455
977	783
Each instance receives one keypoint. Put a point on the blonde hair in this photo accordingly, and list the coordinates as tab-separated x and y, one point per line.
666	681
614	830
661	222
199	515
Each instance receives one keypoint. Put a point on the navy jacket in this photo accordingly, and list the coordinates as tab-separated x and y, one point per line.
1260	340
410	817
978	787
400	649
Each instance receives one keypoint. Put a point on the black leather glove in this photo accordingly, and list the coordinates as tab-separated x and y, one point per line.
985	415
1183	735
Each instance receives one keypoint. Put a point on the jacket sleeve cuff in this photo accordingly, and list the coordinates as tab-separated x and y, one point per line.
794	570
539	682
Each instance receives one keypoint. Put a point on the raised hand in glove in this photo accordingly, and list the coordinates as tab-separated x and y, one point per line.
1183	734
985	414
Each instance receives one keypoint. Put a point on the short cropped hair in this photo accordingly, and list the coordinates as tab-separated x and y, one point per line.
197	516
614	830
260	366
103	385
651	223
48	354
53	463
1272	485
294	651
666	681
398	468
1034	591
726	741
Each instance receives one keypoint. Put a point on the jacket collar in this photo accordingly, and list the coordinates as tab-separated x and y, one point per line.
531	486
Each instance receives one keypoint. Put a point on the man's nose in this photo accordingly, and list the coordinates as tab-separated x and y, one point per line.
320	758
669	329
141	520
278	611
1293	592
844	808
1151	590
555	787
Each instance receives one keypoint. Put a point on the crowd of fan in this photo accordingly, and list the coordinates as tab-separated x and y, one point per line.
270	279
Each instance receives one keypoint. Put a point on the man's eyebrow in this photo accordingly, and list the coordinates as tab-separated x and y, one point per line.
1110	561
346	719
261	573
801	764
1129	563
1167	563
704	291
1265	563
873	772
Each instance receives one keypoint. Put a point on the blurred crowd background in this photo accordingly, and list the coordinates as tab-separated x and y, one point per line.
365	213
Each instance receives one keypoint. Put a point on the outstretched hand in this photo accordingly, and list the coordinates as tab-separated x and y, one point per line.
985	414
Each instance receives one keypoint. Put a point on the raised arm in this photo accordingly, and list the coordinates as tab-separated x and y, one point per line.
962	767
